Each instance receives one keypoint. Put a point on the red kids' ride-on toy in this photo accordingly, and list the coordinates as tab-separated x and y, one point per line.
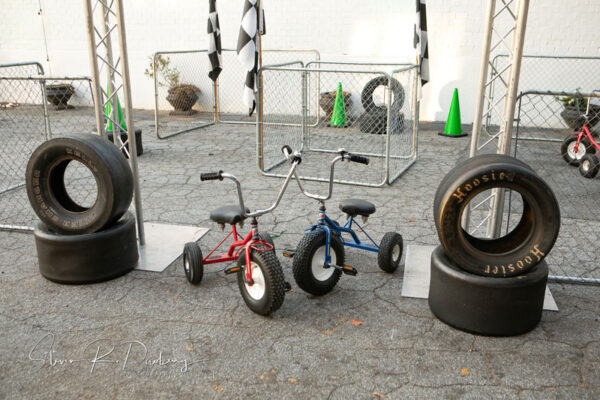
259	274
579	148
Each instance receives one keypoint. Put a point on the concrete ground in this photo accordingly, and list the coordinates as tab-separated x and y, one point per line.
152	335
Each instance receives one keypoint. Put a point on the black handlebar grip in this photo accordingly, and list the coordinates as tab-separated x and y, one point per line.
287	149
211	176
359	159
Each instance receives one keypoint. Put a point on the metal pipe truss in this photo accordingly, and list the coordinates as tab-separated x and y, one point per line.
504	31
105	20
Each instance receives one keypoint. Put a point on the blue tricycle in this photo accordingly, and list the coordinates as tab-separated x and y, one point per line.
319	257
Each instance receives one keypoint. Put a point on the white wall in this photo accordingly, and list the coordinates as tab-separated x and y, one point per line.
339	29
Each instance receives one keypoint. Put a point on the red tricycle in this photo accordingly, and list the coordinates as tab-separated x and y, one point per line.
579	148
259	274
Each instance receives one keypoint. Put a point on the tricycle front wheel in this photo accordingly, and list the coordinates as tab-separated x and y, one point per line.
309	268
267	291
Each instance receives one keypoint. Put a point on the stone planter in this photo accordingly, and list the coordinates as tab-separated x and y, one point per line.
183	98
59	95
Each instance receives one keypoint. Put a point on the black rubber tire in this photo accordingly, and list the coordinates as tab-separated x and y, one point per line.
375	122
275	285
48	195
589	165
485	305
519	250
456	171
387	260
366	97
566	149
267	238
302	264
90	257
193	265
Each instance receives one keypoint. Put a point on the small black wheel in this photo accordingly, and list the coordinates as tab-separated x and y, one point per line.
192	263
267	292
568	149
589	165
390	252
309	272
267	238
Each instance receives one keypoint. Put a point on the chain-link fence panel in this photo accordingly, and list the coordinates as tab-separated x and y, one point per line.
539	72
184	94
540	115
281	106
32	109
374	115
231	108
403	139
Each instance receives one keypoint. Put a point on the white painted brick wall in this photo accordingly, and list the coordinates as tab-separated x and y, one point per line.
341	30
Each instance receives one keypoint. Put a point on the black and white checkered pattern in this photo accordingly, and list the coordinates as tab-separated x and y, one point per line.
214	41
420	42
247	50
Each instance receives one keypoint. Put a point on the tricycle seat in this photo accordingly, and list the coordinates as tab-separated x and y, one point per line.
354	207
231	214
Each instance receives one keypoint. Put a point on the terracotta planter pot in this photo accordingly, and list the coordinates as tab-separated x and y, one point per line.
183	97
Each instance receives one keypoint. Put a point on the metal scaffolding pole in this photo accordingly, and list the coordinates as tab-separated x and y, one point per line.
496	38
100	28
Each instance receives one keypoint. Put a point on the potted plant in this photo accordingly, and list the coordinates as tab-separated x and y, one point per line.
181	96
59	95
574	111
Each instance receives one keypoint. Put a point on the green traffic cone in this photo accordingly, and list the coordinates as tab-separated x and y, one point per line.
338	116
109	126
453	127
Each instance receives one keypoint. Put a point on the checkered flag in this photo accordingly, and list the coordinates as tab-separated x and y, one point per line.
247	50
420	42
214	41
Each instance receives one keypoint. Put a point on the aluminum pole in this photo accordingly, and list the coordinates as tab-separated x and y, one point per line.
129	119
504	142
89	18
110	77
483	72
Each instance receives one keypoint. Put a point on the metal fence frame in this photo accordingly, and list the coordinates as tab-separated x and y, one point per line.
317	58
306	146
216	114
518	118
156	87
495	73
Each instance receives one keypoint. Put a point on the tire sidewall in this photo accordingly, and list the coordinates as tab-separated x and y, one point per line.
90	257
114	190
465	183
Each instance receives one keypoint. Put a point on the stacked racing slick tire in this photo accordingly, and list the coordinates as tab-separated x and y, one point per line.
77	243
492	286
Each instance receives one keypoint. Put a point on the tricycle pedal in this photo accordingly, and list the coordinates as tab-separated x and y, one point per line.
232	269
289	253
348	270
